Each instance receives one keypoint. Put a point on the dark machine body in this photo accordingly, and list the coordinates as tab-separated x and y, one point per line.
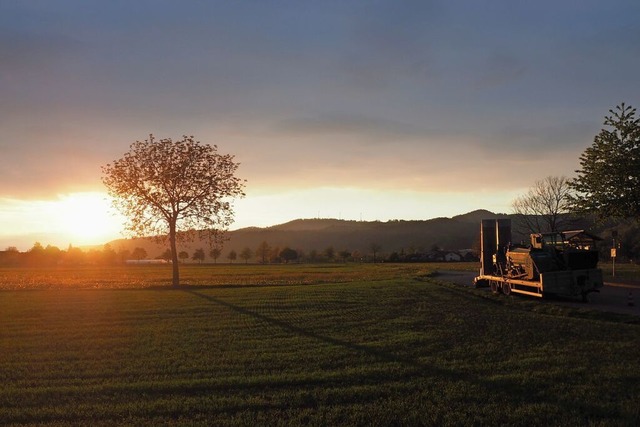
560	263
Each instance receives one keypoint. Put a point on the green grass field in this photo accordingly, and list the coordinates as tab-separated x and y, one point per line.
146	276
377	345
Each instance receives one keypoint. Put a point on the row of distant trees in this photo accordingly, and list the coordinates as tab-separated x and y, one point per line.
265	254
40	255
49	255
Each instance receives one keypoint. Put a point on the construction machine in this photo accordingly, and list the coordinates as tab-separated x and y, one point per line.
563	264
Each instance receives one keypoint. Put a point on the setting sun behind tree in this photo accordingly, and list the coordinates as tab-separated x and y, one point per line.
170	190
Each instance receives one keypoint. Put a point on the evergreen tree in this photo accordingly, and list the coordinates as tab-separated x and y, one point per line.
608	181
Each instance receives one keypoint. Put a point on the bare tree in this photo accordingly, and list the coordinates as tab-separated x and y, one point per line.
375	248
170	189
263	251
246	254
545	207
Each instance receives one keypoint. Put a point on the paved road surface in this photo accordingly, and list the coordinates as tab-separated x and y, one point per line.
613	297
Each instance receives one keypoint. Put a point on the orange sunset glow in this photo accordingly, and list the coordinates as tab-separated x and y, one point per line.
86	218
76	218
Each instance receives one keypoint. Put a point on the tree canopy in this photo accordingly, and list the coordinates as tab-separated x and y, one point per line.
246	254
608	181
288	254
198	255
171	189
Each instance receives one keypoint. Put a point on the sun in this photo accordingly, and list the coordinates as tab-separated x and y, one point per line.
87	218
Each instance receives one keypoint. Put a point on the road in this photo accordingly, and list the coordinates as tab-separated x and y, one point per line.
613	297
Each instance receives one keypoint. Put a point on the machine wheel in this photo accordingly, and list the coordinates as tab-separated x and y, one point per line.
506	288
585	297
494	286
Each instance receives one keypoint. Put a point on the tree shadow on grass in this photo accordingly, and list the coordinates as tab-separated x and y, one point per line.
417	367
514	392
377	353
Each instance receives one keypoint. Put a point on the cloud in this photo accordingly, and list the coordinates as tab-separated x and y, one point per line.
367	129
498	69
414	94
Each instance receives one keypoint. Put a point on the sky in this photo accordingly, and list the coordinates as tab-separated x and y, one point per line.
359	110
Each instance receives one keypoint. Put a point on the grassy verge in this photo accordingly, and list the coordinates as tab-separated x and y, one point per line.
371	351
623	271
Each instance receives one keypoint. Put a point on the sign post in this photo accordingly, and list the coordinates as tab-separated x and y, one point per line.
614	236
613	258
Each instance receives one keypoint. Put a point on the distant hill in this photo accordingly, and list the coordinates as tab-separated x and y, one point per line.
478	215
459	232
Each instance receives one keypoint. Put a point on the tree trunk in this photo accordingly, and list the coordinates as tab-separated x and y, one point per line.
174	253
